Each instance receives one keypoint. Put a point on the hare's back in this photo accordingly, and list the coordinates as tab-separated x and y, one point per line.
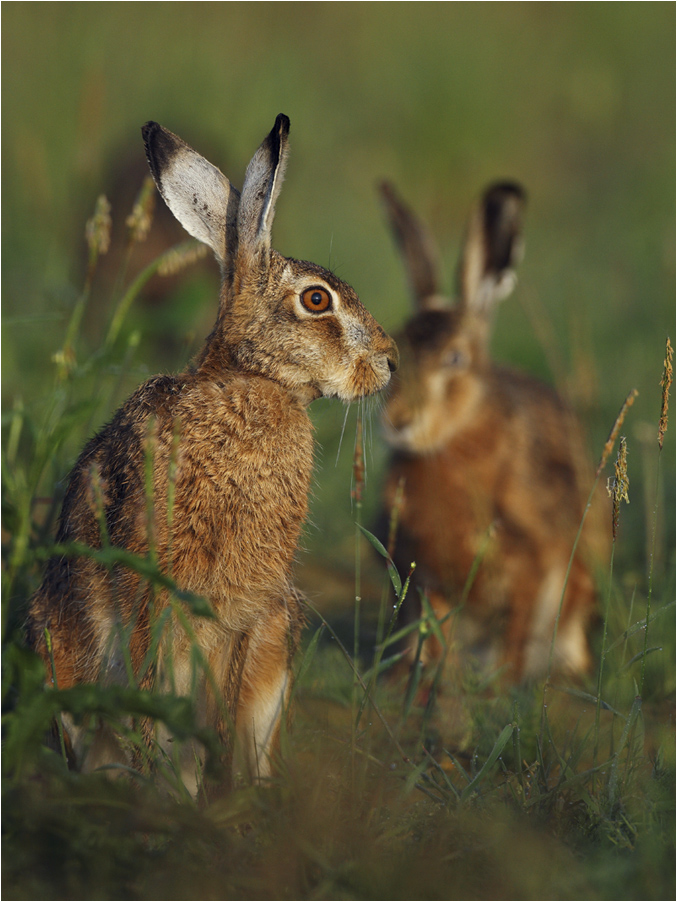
536	411
543	448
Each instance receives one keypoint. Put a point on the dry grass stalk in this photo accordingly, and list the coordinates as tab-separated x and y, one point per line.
98	228
619	484
395	515
613	435
140	219
180	257
97	236
358	465
666	382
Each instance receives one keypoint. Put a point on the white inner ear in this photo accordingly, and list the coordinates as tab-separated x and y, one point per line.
491	290
505	285
261	188
197	193
269	209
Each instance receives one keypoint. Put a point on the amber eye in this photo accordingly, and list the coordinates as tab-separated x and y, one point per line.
317	300
454	359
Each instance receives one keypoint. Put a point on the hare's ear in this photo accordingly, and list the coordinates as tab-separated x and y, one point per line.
197	193
416	247
493	246
262	183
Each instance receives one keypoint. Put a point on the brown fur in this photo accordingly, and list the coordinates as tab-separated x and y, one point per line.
491	464
231	443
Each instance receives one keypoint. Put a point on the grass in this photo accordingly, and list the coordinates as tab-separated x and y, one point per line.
555	792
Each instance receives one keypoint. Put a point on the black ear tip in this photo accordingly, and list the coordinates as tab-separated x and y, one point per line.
386	189
502	191
148	129
392	202
160	146
152	140
282	125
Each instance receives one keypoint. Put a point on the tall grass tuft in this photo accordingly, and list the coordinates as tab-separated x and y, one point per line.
617	488
666	383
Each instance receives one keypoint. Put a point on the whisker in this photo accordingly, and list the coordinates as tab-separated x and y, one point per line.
343	429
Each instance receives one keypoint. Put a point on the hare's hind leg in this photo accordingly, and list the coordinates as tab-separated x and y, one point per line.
572	649
571	653
214	687
266	687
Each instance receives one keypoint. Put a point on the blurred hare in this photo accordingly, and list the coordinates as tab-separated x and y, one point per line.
230	442
487	462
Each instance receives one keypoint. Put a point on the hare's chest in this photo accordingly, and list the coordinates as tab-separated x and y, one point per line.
242	481
447	507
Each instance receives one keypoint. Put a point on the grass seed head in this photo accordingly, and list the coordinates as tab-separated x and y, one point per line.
613	435
97	230
65	359
666	382
619	483
140	219
181	257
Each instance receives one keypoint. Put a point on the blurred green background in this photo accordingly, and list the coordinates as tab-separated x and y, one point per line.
576	100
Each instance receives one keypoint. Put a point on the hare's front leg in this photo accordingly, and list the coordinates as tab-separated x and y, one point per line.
266	686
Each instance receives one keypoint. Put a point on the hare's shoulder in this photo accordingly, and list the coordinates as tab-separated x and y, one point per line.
523	392
253	412
244	407
536	412
545	449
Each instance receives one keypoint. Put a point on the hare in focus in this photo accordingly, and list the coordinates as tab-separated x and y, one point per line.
487	472
230	445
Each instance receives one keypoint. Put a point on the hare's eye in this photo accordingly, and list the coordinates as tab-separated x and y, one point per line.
317	300
454	359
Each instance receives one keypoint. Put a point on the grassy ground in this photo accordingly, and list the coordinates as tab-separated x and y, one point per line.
518	795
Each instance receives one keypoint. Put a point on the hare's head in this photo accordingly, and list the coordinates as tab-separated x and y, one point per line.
444	346
291	321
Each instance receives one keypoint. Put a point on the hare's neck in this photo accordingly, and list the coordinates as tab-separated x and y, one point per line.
223	359
217	358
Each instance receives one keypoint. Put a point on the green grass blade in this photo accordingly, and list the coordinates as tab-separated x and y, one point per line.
392	569
499	745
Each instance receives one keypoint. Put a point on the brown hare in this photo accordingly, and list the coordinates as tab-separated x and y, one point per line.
230	443
487	463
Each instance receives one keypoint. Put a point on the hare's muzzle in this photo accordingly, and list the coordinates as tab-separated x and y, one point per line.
393	356
372	370
388	354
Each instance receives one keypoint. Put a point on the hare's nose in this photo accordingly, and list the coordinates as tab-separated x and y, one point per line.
393	356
